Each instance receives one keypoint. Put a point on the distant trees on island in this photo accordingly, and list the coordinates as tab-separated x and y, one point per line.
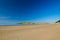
58	21
32	23
25	23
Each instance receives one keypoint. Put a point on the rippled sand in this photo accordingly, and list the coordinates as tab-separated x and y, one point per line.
31	32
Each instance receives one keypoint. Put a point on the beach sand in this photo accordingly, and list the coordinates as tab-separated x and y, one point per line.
30	32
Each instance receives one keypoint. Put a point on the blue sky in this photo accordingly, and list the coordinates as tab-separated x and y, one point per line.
13	11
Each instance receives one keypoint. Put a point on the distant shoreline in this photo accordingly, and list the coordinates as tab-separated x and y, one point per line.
21	25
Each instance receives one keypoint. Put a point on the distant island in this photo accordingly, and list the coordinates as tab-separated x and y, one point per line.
57	22
32	23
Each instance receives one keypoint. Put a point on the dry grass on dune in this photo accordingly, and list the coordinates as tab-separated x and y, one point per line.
33	32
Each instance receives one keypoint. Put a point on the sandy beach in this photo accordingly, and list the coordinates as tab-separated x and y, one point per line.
30	32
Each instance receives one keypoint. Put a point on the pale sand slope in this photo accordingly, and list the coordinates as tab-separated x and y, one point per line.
33	32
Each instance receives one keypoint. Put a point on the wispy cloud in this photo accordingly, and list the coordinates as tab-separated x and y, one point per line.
6	17
8	22
5	20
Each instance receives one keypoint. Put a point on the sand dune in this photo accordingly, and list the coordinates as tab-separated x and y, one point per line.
31	32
